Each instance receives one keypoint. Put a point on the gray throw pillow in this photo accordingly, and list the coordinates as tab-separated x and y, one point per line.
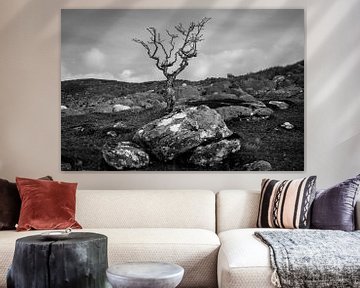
334	208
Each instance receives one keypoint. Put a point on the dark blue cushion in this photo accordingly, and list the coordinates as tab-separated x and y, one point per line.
334	208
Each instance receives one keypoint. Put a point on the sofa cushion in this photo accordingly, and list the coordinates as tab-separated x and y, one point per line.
236	209
10	204
46	204
286	204
244	260
153	209
194	249
334	208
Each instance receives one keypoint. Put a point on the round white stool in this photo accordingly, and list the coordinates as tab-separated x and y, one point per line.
145	275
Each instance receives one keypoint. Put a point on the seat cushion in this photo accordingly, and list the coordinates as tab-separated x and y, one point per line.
196	250
244	261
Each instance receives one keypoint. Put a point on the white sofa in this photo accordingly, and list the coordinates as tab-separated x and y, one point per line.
243	261
175	226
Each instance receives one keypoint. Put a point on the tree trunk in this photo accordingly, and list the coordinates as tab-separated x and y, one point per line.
170	94
79	261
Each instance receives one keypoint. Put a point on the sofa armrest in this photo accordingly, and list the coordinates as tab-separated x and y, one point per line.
357	215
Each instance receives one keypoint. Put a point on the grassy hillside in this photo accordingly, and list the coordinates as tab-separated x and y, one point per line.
87	123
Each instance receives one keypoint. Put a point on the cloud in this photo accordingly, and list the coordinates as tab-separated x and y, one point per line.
95	59
235	61
129	75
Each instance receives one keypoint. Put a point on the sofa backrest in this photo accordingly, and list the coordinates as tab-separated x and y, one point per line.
236	209
239	209
146	209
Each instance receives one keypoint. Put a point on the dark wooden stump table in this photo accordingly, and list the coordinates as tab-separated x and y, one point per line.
79	261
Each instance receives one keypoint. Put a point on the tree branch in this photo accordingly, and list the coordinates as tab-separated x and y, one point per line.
187	50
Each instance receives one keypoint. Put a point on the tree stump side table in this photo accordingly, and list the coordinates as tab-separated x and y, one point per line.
78	261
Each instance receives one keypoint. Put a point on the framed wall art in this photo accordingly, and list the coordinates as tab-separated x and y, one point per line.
182	90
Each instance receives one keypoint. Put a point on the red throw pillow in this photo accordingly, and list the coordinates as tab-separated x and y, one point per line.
46	204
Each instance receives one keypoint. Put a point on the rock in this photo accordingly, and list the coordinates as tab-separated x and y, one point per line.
278	78
255	104
126	102
111	133
221	96
280	104
103	108
263	112
125	155
136	108
120	125
120	107
247	98
146	105
231	112
139	101
181	131
219	87
187	93
183	84
214	153
63	107
287	126
260	165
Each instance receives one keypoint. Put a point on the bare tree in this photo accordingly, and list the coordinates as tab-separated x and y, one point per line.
172	58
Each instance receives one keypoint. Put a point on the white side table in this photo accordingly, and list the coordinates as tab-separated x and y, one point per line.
145	275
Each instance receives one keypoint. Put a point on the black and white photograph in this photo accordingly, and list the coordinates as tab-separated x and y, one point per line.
182	90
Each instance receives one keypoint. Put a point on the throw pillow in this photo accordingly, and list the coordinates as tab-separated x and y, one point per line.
10	204
286	204
334	208
46	204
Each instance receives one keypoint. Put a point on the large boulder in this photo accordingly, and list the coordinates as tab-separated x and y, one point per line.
181	131
233	112
125	155
214	154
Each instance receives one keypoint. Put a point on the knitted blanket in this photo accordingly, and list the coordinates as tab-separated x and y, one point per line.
313	258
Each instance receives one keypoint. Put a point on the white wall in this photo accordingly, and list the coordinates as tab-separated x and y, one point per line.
30	94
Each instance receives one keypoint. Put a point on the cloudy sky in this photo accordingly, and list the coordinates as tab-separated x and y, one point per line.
98	43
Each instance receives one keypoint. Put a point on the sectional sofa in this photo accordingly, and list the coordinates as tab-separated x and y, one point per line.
209	234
